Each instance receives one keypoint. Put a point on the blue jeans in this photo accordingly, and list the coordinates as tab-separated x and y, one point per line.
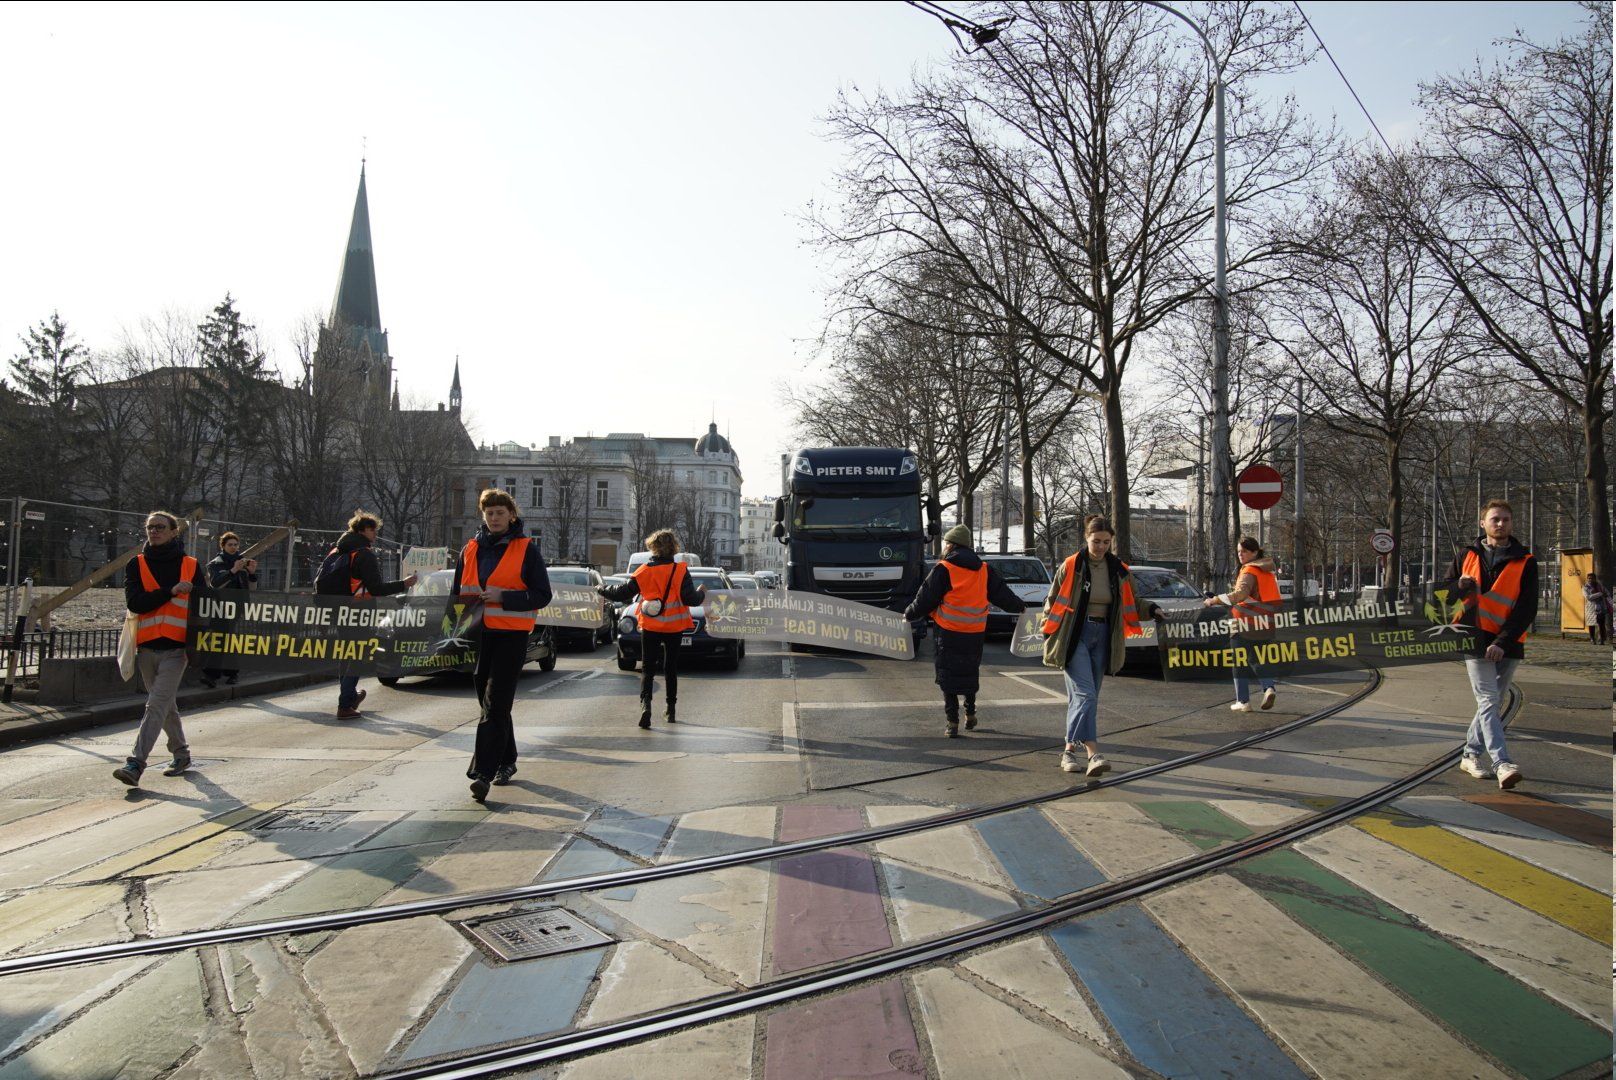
1489	681
347	691
1084	671
1242	684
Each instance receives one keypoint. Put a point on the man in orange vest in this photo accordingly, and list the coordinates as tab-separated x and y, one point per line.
957	594
1495	580
157	587
502	569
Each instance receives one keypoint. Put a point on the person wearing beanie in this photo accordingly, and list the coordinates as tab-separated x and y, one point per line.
957	594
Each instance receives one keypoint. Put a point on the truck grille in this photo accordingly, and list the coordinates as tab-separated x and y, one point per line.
875	593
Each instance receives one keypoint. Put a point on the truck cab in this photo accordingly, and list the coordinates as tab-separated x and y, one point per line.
854	524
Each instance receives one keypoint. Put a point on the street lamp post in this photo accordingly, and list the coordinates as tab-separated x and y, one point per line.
1221	481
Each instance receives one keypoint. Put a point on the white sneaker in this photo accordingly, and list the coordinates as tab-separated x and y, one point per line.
1476	767
1268	698
1240	706
1508	775
1097	766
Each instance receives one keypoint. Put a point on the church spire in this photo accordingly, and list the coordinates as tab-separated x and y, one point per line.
356	305
454	389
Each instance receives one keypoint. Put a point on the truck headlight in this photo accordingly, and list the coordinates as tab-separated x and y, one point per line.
907	466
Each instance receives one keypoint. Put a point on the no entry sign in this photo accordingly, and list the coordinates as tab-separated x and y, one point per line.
1260	486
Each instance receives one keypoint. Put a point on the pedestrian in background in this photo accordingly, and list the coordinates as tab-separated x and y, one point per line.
502	569
228	570
666	596
1088	615
157	587
351	569
1254	599
959	589
1596	609
1496	581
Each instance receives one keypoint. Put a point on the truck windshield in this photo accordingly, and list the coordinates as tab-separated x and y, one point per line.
877	513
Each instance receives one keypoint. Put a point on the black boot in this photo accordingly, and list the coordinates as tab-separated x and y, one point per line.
645	712
668	713
970	719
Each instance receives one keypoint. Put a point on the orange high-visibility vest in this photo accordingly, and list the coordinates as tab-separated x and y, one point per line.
965	608
663	581
1256	613
168	621
1062	607
507	575
1493	606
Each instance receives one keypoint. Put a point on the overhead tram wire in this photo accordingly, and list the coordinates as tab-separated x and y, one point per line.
342	920
551	1049
1350	89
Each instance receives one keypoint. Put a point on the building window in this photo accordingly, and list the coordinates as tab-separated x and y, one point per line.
538	493
601	488
510	484
712	477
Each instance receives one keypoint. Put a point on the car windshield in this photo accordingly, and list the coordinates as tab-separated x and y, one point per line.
743	583
1163	585
615	579
858	514
1021	571
437	583
709	581
570	577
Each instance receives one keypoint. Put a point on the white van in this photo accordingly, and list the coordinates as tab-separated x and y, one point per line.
640	558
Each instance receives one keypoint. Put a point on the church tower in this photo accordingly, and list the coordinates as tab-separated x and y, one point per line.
353	340
454	389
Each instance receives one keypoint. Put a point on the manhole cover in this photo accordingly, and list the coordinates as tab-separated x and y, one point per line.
304	820
535	933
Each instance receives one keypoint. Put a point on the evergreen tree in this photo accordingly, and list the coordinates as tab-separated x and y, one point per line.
236	381
44	381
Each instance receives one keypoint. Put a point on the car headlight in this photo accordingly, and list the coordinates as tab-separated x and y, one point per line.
626	624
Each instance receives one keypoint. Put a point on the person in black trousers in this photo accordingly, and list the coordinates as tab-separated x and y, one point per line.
666	596
228	570
502	569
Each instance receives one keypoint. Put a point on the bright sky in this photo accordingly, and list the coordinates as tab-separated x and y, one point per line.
596	207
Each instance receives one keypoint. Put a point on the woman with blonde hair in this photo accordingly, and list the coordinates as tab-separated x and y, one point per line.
666	596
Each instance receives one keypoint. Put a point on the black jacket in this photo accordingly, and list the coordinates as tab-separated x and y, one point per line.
937	583
691	593
220	577
164	562
490	549
1525	609
365	567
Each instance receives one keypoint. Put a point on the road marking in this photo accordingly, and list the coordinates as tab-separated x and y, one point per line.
927	703
571	676
1024	681
785	667
1566	745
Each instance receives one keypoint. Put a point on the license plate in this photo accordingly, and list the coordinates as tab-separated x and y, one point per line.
685	641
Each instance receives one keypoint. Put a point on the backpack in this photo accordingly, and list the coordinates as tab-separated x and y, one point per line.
335	574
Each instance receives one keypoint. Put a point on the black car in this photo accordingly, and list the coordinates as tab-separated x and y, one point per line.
392	665
697	642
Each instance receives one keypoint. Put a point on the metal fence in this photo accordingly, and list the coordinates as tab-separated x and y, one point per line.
49	545
64	645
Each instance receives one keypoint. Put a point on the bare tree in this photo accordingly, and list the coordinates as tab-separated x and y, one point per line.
314	432
1524	229
566	475
1368	319
1085	128
650	489
403	458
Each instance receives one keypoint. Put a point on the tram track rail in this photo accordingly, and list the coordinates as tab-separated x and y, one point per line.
554	1049
347	918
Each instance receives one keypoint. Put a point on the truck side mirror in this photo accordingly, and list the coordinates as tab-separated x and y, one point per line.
934	514
780	509
934	528
779	531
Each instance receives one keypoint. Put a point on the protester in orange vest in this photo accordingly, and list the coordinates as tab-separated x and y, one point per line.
1495	581
502	569
1089	612
957	594
666	596
1252	604
351	569
157	587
